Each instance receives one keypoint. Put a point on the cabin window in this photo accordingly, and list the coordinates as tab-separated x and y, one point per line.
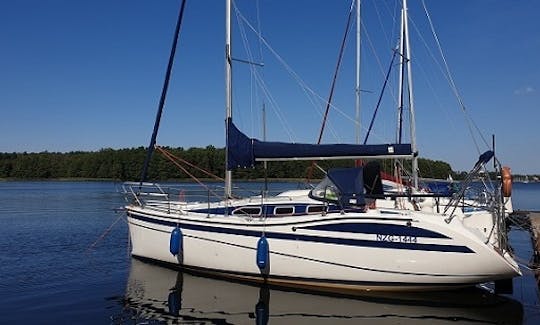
251	211
316	209
286	210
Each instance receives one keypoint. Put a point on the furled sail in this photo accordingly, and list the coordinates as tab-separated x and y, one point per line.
244	152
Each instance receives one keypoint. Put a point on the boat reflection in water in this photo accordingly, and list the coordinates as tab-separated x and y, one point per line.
158	294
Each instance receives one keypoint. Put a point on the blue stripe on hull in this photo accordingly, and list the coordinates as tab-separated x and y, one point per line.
377	228
310	238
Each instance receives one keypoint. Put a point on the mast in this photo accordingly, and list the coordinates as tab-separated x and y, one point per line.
228	95
405	66
164	90
357	90
400	49
401	84
410	96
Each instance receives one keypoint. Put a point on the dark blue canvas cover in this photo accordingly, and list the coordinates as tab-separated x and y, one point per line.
350	183
243	151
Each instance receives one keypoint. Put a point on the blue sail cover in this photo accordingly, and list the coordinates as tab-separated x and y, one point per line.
244	152
485	157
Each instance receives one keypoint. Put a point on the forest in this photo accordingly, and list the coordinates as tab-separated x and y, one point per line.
126	165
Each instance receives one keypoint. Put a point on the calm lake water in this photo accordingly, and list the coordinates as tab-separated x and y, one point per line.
64	260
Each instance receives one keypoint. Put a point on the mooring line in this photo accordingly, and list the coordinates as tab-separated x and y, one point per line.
104	234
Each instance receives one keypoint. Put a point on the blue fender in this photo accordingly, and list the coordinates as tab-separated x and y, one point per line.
263	253
175	245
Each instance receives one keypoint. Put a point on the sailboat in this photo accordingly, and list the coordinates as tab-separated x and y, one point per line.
346	234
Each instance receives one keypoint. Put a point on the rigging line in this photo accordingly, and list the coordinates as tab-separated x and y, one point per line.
391	13
336	71
252	67
259	80
428	48
452	83
283	120
380	97
192	176
394	31
379	19
278	111
175	160
240	18
300	81
468	119
144	172
295	75
377	58
104	233
258	76
169	155
332	87
275	108
449	116
259	29
261	59
310	97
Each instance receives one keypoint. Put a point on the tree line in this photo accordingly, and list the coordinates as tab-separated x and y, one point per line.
126	165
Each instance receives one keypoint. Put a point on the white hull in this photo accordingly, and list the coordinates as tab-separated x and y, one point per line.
381	249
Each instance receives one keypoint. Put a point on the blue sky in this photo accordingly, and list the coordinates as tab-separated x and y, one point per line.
86	75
